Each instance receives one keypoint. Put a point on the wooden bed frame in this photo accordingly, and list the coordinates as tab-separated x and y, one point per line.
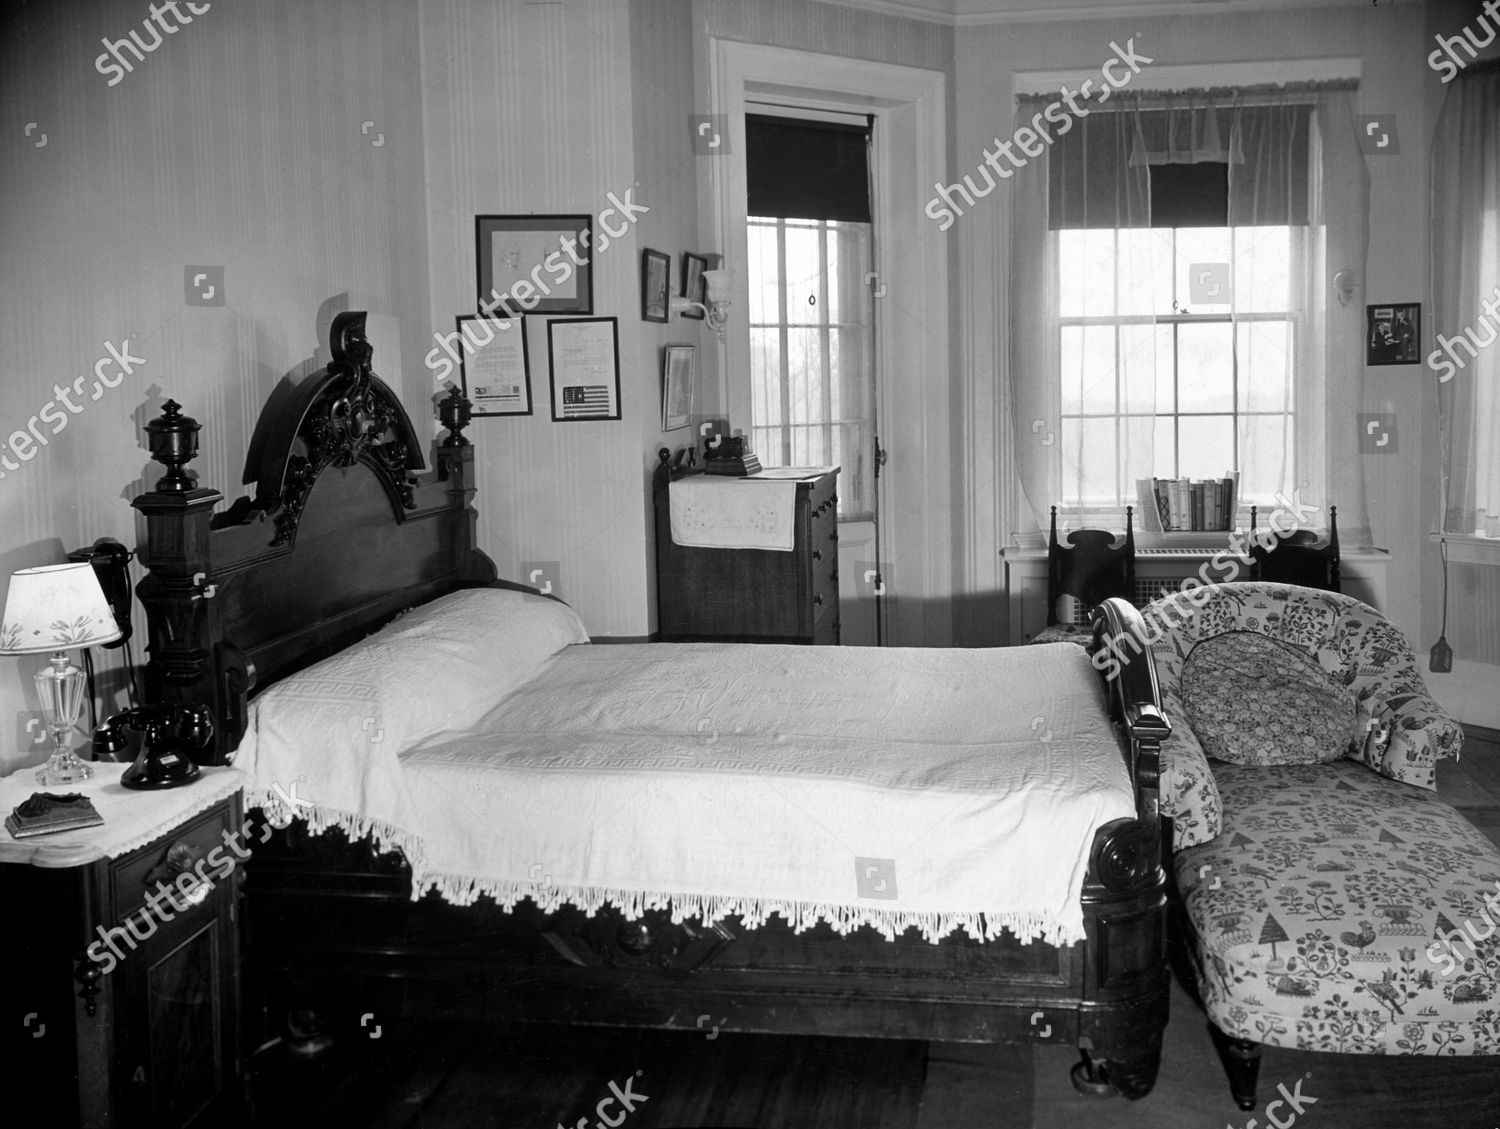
341	534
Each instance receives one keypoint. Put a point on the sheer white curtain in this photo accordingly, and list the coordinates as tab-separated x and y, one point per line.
1171	305
1465	273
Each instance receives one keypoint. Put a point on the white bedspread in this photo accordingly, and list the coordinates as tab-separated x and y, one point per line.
891	788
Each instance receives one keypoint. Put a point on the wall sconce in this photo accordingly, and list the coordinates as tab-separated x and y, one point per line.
716	289
1343	286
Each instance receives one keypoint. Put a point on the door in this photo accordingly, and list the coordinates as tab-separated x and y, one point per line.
813	300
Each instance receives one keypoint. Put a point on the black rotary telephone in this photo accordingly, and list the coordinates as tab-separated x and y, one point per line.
171	736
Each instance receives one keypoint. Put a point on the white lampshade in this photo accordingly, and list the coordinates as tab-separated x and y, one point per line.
55	608
716	283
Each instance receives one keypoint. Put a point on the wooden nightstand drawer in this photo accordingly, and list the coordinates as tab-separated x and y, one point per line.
143	872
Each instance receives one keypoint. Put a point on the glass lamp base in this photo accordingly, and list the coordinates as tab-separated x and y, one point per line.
63	767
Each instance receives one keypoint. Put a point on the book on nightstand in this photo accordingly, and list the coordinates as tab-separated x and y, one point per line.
46	812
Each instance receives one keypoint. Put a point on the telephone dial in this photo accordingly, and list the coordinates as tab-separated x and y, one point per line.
171	735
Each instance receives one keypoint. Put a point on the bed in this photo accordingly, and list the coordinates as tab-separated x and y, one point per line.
509	821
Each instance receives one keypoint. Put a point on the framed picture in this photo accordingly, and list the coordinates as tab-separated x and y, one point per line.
533	265
1393	334
677	387
656	285
495	374
584	364
693	287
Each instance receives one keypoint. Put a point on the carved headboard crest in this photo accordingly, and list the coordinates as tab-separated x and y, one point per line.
340	415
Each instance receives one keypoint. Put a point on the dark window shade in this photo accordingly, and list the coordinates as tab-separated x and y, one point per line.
1190	195
798	169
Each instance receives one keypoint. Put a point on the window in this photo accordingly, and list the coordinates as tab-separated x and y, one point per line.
1215	392
810	250
811	349
1179	235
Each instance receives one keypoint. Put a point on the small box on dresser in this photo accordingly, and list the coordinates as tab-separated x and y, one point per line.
754	595
151	1037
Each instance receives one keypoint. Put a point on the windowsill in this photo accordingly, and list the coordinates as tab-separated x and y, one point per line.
1466	548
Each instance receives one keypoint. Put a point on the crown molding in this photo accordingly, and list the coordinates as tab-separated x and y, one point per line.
1031	11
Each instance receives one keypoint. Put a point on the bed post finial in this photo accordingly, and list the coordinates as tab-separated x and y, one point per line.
455	411
173	439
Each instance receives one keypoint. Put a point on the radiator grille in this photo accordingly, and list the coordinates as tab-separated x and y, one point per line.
1146	590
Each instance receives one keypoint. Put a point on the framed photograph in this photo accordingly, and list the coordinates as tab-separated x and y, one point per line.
677	387
693	287
1393	334
534	265
496	377
656	285
584	363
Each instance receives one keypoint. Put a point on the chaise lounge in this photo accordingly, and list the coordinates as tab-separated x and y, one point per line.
1330	899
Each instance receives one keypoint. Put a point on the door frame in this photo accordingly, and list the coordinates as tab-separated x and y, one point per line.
912	354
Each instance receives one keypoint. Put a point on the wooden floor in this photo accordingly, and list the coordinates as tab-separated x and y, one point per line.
458	1076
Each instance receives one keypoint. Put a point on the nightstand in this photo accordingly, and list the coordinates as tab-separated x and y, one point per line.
147	1032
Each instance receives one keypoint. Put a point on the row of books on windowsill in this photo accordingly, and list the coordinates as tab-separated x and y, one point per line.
1176	505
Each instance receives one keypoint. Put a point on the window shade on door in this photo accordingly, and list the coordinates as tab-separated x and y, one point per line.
807	169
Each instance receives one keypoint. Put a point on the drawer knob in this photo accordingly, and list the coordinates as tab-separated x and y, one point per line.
817	600
817	554
634	937
834	536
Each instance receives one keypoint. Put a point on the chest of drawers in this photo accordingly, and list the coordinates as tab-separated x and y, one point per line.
754	595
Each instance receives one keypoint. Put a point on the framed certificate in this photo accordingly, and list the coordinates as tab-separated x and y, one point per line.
534	264
496	377
584	364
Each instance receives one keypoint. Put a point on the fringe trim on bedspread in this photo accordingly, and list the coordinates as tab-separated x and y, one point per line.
387	836
934	925
463	890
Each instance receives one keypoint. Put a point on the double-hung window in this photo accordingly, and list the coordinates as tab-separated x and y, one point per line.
1171	305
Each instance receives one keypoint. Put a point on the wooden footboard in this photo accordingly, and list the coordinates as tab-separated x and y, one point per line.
342	534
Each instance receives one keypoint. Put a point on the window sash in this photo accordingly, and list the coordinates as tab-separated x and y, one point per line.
819	411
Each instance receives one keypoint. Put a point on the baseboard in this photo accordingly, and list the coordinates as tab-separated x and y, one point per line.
1468	692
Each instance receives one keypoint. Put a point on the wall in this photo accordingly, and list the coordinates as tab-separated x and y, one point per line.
1386	38
661	49
549	108
236	143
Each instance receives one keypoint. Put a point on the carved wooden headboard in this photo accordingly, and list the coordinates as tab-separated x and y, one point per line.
343	532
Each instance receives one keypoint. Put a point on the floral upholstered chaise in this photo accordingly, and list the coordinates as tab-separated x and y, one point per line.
1335	903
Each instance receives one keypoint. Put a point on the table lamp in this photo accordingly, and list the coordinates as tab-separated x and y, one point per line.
57	608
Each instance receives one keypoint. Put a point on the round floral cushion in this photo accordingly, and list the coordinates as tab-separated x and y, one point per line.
1252	700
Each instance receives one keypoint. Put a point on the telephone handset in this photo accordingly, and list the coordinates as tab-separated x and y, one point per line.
111	562
172	733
